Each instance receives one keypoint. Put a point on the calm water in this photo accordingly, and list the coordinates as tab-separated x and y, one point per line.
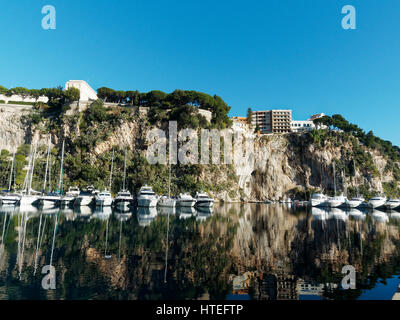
248	251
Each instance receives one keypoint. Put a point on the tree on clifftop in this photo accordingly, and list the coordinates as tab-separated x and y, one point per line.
249	116
72	94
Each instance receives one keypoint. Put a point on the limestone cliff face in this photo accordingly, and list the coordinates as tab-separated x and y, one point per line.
284	163
12	129
273	167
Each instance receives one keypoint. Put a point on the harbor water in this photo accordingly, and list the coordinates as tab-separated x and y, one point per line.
233	251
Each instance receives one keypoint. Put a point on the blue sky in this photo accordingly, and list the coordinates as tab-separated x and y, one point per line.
260	54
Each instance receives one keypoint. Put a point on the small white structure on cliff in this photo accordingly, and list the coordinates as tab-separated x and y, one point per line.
87	93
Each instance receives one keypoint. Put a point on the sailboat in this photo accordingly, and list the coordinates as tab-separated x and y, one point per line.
27	198
124	197
167	201
319	199
11	198
336	201
357	200
104	198
52	199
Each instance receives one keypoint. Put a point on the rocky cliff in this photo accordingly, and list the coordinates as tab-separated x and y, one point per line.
275	167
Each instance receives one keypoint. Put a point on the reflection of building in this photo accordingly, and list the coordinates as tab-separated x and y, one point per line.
267	290
277	287
242	283
286	287
272	121
313	288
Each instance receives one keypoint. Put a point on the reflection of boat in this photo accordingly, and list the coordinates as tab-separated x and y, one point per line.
122	217
377	202
203	200
146	215
50	211
338	214
357	214
395	215
186	212
27	208
146	197
380	216
102	213
69	214
204	213
164	211
318	200
205	210
392	204
83	211
319	214
185	200
8	209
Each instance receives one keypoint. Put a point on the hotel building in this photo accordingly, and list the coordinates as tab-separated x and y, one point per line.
273	121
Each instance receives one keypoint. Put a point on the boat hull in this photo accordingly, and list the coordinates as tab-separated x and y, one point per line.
83	201
104	202
376	204
167	203
147	202
204	203
28	200
186	203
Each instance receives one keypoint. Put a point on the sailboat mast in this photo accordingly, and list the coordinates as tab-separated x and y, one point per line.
124	169
33	168
334	178
11	172
112	167
169	182
61	169
355	177
344	183
47	167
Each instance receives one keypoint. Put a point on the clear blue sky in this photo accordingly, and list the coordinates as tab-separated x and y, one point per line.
259	54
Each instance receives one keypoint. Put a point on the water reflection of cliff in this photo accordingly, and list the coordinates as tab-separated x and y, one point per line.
263	251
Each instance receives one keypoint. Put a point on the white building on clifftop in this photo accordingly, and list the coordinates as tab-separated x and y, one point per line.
87	93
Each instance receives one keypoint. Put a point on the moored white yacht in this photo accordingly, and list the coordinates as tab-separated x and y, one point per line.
10	198
166	201
337	201
50	200
392	204
146	197
186	200
355	202
104	199
86	197
318	200
28	199
377	202
123	200
203	200
70	196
